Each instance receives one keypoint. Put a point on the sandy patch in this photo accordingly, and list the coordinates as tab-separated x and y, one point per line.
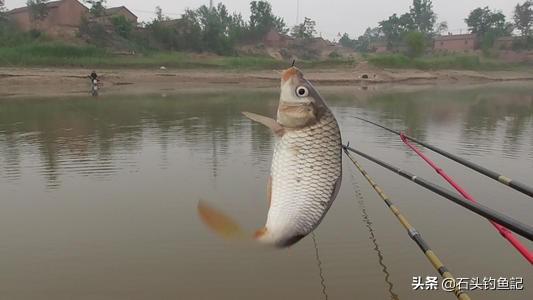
24	82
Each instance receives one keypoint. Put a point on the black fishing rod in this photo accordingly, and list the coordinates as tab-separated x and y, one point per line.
511	224
519	186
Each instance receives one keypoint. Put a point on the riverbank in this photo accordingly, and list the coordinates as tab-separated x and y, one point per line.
30	82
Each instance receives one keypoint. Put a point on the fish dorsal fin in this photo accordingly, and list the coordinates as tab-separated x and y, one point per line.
268	122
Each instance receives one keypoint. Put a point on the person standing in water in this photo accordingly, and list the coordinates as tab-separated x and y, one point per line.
94	83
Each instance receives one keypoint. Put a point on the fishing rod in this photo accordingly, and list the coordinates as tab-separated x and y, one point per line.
413	233
509	236
512	224
516	185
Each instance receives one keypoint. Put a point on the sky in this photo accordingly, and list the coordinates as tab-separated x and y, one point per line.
332	16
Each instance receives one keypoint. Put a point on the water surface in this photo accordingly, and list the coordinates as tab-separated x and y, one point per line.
99	195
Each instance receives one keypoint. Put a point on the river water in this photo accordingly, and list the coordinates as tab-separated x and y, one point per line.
98	195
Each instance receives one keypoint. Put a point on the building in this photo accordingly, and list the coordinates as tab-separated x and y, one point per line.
121	11
63	18
378	47
455	43
504	43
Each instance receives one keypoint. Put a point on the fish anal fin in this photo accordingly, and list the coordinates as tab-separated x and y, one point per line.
259	233
268	122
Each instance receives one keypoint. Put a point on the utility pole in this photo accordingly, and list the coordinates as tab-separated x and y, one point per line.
297	12
210	4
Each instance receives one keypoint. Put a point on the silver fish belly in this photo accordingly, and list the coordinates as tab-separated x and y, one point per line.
306	173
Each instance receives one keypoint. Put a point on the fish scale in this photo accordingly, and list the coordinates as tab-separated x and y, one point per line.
305	169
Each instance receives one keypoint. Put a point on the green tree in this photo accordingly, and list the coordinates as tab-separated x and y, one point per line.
423	16
482	21
215	23
371	35
97	7
237	27
407	23
392	29
523	18
488	26
305	30
263	20
189	32
159	14
38	9
416	43
347	42
122	26
2	11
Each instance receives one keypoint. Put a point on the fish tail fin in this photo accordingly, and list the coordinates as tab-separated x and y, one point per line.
220	223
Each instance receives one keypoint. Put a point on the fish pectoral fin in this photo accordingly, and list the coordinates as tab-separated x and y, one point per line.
336	188
268	122
223	225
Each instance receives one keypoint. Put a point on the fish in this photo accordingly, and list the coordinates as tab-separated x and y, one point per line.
306	170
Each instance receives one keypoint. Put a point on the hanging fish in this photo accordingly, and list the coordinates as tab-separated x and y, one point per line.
306	167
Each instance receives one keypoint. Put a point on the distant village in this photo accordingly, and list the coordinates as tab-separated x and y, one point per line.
64	18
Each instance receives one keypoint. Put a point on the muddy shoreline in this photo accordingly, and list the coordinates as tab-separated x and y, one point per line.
47	82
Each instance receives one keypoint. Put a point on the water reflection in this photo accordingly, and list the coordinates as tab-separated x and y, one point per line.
99	137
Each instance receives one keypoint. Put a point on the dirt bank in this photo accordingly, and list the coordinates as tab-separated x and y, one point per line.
24	82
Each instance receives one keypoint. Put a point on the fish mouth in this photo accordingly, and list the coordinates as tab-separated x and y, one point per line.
290	73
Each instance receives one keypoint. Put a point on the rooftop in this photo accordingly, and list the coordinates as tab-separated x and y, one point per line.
451	37
49	5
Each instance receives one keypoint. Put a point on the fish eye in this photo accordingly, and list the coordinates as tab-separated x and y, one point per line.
302	91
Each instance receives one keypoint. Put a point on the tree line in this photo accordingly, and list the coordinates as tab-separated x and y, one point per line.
215	29
415	29
209	29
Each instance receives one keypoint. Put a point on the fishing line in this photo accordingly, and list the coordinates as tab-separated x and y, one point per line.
319	264
377	249
411	231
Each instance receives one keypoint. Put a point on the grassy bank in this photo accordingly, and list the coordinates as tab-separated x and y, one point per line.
50	54
441	62
62	55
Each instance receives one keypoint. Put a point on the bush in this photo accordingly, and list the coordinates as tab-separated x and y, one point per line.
122	26
416	43
334	55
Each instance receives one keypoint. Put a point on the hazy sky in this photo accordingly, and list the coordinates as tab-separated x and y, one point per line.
332	16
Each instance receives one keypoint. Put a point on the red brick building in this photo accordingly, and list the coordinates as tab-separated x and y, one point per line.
121	11
63	18
455	43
